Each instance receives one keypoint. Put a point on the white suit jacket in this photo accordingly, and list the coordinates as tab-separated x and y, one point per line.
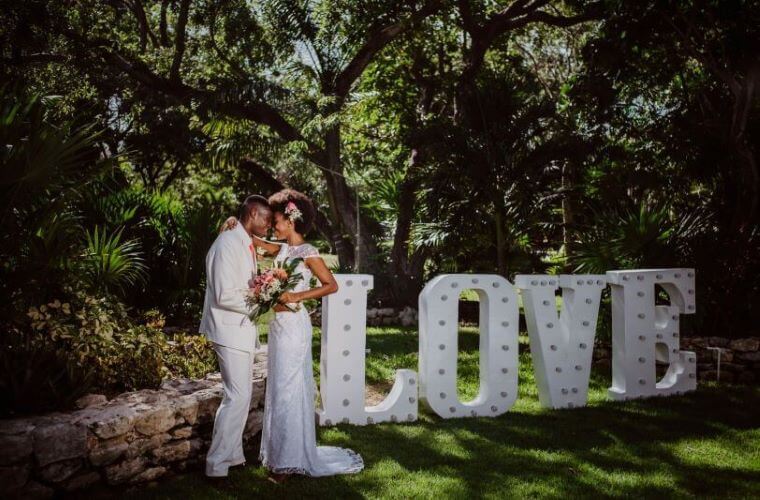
230	264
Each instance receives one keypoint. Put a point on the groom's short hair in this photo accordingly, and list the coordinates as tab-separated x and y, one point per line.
249	203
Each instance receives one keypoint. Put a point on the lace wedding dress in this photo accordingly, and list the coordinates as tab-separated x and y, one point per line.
288	438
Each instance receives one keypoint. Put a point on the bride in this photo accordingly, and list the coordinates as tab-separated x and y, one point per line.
288	437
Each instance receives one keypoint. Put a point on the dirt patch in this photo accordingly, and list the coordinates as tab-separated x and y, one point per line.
376	393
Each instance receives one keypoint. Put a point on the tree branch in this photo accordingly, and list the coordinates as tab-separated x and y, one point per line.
377	40
39	58
563	21
212	38
162	32
142	21
179	167
257	112
469	23
521	13
179	40
693	47
536	69
516	15
520	7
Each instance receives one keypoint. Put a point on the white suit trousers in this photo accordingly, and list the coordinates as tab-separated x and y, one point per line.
227	440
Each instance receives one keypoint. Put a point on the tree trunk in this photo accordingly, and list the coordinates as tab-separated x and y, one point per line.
501	242
568	212
749	178
406	273
342	201
406	270
746	211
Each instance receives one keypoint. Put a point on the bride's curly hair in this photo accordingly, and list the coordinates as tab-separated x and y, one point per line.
279	201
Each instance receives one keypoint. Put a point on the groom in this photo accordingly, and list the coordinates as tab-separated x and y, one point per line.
230	263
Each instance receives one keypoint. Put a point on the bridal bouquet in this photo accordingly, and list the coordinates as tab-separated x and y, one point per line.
266	288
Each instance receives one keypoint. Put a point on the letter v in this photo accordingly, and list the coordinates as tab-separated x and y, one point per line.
561	345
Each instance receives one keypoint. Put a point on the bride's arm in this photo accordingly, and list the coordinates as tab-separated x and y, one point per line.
325	277
228	224
270	248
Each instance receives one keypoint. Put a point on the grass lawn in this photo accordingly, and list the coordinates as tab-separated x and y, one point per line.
704	444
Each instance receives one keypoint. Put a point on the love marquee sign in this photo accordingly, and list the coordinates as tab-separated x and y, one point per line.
561	343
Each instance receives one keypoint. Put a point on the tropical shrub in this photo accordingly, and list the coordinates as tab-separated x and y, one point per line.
81	343
36	376
44	165
635	235
189	356
101	338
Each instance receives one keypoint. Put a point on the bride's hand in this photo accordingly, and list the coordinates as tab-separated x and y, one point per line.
288	298
230	223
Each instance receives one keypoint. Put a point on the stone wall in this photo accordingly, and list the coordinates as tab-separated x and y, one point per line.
135	437
469	313
739	358
383	316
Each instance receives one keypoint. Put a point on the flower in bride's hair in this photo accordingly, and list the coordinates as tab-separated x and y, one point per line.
292	212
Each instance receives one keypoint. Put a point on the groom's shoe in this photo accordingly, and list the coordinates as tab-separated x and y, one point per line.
241	465
218	482
221	484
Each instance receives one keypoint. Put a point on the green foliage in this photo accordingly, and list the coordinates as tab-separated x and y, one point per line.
81	218
82	343
37	376
100	338
625	141
40	158
646	235
44	166
502	197
185	232
189	356
110	263
135	360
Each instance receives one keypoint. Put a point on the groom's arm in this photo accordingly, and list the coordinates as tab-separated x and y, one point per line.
226	277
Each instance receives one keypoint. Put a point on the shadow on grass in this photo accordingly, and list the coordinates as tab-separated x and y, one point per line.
676	447
705	443
609	449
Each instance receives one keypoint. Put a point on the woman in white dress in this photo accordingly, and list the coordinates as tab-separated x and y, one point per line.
288	437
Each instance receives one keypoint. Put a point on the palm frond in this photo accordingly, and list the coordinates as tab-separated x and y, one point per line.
110	263
647	234
429	235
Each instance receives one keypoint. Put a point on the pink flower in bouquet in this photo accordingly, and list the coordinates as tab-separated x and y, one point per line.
265	289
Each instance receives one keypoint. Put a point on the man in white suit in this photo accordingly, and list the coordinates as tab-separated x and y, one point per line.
230	264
